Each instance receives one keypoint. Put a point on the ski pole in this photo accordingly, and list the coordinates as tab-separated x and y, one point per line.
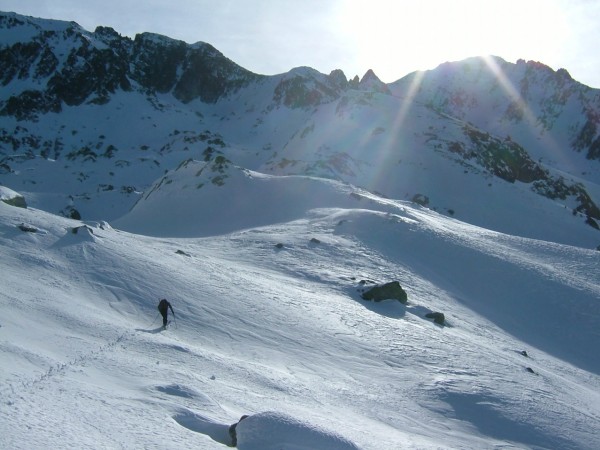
154	320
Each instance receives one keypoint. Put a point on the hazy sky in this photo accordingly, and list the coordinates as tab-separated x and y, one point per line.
392	37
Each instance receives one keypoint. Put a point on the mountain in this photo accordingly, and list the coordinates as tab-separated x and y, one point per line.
90	119
268	210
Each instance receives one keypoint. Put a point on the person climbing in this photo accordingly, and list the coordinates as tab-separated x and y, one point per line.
163	308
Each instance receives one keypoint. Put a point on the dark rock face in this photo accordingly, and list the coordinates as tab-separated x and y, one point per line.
155	63
29	103
208	75
588	139
96	65
72	66
559	188
194	71
511	162
304	88
504	158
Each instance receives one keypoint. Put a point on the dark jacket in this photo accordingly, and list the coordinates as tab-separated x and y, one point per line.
163	307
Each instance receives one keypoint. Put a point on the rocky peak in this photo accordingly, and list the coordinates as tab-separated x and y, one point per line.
338	78
371	82
304	87
107	34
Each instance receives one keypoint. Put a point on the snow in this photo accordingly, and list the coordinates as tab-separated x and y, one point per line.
272	430
8	194
282	335
265	267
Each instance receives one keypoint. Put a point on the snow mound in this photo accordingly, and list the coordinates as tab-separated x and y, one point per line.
277	431
205	199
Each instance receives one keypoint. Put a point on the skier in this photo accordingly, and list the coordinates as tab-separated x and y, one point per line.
163	307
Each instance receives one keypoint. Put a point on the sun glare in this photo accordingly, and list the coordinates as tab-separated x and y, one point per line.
394	37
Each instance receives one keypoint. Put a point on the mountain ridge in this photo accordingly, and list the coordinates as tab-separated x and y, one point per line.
102	104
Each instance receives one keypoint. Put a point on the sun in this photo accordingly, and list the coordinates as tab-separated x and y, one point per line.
395	37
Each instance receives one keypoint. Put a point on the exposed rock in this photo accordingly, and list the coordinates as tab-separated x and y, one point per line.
232	431
71	212
592	223
84	228
388	291
587	138
338	78
421	199
27	228
371	82
304	87
12	198
437	317
92	66
504	158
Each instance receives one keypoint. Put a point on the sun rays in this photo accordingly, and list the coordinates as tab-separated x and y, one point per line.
518	103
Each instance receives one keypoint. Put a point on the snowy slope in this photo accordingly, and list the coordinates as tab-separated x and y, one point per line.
263	208
544	110
281	334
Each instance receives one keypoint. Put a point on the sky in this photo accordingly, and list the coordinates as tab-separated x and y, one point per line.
393	38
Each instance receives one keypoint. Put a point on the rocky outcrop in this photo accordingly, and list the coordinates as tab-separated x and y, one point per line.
504	158
371	82
66	65
511	162
304	87
588	137
12	198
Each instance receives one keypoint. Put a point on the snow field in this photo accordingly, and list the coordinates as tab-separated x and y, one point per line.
284	333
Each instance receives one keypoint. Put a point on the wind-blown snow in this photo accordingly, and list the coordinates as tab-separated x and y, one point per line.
280	333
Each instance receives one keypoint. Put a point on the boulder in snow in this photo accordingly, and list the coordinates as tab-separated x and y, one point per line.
27	228
12	198
387	291
437	317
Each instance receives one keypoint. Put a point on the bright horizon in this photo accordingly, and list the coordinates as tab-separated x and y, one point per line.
391	38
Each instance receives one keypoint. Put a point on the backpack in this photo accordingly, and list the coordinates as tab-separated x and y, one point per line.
162	305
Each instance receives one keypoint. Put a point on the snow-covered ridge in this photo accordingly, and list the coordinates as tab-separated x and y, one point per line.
16	28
